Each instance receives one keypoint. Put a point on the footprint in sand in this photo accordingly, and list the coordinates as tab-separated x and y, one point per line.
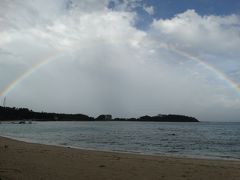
9	170
101	166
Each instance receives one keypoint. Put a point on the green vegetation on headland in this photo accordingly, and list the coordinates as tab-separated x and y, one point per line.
13	114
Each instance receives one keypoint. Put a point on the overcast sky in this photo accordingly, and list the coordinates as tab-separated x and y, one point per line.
122	57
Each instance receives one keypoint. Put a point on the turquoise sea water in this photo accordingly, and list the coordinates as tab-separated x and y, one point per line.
204	139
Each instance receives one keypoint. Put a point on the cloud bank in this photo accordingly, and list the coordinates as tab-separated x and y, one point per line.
102	63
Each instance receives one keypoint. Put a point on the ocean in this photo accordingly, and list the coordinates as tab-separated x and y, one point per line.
203	139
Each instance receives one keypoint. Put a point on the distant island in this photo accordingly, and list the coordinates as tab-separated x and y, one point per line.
19	114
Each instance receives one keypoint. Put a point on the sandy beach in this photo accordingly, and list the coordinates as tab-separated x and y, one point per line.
28	161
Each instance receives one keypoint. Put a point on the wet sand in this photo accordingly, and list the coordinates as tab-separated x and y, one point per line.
28	161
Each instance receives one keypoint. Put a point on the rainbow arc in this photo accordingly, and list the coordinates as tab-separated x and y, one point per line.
55	56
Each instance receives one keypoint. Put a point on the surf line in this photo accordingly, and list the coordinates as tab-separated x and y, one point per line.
28	72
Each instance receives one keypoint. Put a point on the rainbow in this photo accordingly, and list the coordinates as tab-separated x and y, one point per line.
27	73
54	56
221	75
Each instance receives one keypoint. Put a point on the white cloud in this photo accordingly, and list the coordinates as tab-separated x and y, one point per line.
211	34
126	5
149	9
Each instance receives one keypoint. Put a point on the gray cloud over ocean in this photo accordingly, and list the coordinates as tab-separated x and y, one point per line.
100	62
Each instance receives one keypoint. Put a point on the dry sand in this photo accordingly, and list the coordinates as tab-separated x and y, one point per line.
28	161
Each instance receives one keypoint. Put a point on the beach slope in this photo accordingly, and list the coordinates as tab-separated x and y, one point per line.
28	161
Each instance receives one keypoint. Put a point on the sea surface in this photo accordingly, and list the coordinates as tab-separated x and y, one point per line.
204	139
